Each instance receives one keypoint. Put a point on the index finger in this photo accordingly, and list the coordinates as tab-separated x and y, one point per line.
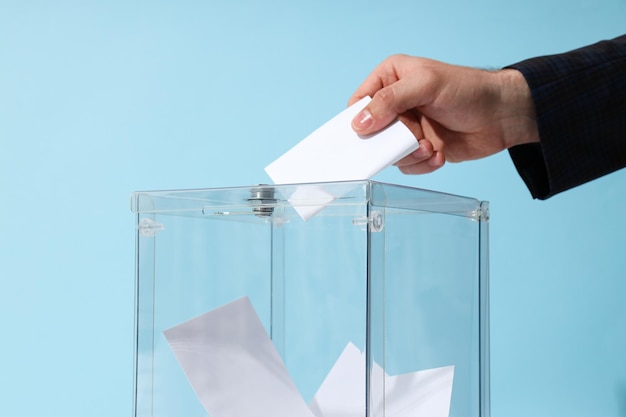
369	87
383	75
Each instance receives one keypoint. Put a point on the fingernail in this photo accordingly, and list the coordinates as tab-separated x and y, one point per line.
362	120
422	153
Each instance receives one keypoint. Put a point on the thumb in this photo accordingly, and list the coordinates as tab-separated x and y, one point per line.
383	109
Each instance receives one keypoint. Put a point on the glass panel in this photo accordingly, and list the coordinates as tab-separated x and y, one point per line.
198	265
199	250
325	295
428	257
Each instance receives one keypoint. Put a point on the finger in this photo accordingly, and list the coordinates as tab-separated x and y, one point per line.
424	152
374	82
436	161
379	113
389	102
368	88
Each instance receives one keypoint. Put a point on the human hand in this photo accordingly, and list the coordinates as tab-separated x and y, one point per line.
456	113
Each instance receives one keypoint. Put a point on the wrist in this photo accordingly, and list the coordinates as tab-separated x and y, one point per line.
518	110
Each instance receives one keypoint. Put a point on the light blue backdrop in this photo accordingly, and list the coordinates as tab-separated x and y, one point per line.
99	99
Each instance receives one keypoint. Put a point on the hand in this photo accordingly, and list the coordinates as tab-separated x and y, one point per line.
456	113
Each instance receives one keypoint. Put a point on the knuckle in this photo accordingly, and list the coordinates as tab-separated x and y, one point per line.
386	97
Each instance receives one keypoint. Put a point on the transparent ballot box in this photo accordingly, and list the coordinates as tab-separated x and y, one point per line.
345	299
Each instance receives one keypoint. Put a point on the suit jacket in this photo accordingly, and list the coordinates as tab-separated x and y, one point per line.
580	101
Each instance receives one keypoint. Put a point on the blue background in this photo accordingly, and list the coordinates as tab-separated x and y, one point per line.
99	99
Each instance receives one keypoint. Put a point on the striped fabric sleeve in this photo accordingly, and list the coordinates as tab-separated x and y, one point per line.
580	102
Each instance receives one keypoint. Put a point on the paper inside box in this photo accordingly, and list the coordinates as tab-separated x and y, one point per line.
235	370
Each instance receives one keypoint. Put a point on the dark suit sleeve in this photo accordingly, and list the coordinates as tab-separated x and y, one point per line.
580	102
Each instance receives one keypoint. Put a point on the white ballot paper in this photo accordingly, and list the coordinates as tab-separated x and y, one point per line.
233	366
335	152
235	371
414	394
